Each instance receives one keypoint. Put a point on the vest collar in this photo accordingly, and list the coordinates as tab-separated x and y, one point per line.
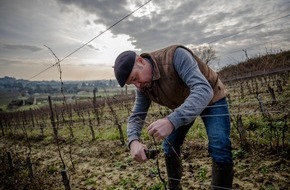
155	70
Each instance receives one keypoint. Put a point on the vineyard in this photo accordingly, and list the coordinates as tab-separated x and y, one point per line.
82	144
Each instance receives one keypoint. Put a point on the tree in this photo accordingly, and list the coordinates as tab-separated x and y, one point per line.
206	53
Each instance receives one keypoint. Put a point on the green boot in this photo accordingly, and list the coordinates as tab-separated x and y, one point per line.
222	176
174	171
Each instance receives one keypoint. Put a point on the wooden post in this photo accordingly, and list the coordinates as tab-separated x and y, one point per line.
29	165
65	180
91	127
272	93
96	110
279	86
10	161
52	119
242	132
262	106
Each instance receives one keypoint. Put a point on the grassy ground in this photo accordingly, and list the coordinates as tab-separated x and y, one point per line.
105	164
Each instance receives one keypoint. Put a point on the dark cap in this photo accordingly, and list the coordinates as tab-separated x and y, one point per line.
123	66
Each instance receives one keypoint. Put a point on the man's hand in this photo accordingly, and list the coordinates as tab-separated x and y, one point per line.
137	151
160	129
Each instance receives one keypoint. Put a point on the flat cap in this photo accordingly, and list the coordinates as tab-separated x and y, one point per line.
123	66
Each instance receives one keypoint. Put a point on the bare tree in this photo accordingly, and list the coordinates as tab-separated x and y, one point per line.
206	53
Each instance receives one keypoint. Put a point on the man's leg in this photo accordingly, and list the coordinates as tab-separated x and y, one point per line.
172	149
217	121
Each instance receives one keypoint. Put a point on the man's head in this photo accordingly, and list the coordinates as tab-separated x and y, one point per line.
131	68
124	64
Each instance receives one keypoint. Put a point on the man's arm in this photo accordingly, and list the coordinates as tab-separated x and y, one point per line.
200	95
135	125
137	117
201	92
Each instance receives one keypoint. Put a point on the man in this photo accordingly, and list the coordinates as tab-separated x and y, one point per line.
174	77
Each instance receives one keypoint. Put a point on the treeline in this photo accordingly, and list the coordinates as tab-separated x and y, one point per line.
25	87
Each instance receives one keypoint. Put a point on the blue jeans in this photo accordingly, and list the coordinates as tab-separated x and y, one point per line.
217	122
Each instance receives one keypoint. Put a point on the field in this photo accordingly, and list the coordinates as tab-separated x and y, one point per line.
86	142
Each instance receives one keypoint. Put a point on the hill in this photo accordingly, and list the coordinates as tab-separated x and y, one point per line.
257	66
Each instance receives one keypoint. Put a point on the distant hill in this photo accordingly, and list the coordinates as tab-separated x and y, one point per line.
267	64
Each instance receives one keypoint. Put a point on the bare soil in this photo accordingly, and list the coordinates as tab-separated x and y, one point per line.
107	165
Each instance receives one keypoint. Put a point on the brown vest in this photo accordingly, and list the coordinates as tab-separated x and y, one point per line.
167	87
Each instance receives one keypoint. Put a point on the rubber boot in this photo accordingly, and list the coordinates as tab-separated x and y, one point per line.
174	172
222	176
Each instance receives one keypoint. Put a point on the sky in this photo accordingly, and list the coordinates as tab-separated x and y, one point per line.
87	35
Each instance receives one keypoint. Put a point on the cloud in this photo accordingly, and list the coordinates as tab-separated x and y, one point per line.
187	22
66	25
9	62
29	48
93	47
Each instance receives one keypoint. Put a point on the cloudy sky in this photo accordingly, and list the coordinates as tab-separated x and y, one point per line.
28	28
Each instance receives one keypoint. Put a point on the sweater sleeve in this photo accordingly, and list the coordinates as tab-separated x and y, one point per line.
137	117
201	92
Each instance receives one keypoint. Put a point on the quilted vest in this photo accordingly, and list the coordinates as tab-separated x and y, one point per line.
167	87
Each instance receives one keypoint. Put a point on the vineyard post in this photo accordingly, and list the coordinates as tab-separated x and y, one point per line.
114	114
279	86
95	106
262	106
65	180
266	115
63	172
272	93
29	165
242	132
10	161
91	126
52	119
